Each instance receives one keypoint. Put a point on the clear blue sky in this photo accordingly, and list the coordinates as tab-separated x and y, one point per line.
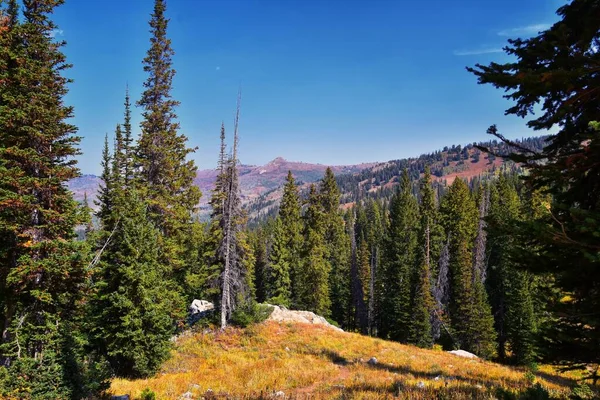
333	82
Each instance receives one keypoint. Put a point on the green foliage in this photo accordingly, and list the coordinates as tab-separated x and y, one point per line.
289	212
134	308
147	394
400	263
470	313
165	174
43	271
250	313
556	69
430	240
582	392
313	279
277	275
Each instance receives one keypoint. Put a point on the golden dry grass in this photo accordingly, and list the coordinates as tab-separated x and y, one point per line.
311	361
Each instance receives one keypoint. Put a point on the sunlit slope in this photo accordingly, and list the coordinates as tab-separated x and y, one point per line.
273	360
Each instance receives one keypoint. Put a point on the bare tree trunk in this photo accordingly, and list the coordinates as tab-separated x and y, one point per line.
479	261
226	302
371	315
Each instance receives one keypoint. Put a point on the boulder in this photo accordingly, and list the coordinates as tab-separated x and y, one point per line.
282	314
462	353
201	306
372	361
123	397
198	310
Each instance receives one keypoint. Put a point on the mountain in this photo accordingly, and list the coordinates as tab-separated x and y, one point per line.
289	360
254	180
261	185
380	179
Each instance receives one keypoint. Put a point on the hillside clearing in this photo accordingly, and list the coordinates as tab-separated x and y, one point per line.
301	361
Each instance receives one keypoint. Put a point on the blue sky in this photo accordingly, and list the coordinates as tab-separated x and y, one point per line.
332	82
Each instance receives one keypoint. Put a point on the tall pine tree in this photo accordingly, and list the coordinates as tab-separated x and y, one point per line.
165	175
313	278
291	220
401	257
338	246
42	269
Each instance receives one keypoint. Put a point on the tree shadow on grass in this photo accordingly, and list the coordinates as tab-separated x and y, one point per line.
467	383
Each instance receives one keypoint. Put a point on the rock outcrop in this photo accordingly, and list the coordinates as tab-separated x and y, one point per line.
462	353
282	314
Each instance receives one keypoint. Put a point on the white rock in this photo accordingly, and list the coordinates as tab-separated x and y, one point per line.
462	353
200	306
186	395
282	314
372	361
421	384
279	395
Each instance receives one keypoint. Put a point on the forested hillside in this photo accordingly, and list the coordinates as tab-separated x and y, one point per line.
380	180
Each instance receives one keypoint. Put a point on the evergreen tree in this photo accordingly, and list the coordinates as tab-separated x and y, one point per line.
105	192
291	220
429	243
470	314
277	278
313	279
401	257
132	312
42	269
337	245
260	242
509	286
164	173
375	233
358	311
128	149
558	69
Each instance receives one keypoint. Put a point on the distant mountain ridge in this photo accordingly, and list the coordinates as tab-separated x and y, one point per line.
254	180
261	185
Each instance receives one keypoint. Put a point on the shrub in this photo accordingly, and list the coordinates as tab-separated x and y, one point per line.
252	313
582	392
148	394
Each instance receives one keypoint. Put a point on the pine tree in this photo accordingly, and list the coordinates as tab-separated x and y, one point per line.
313	279
357	317
42	269
165	174
429	239
557	68
105	192
277	277
260	242
337	245
374	237
128	149
132	312
291	220
470	314
509	285
401	257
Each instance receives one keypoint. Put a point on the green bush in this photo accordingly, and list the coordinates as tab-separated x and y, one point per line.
253	313
582	392
332	322
530	377
536	392
148	394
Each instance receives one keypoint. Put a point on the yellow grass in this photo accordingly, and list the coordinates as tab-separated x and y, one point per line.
311	361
